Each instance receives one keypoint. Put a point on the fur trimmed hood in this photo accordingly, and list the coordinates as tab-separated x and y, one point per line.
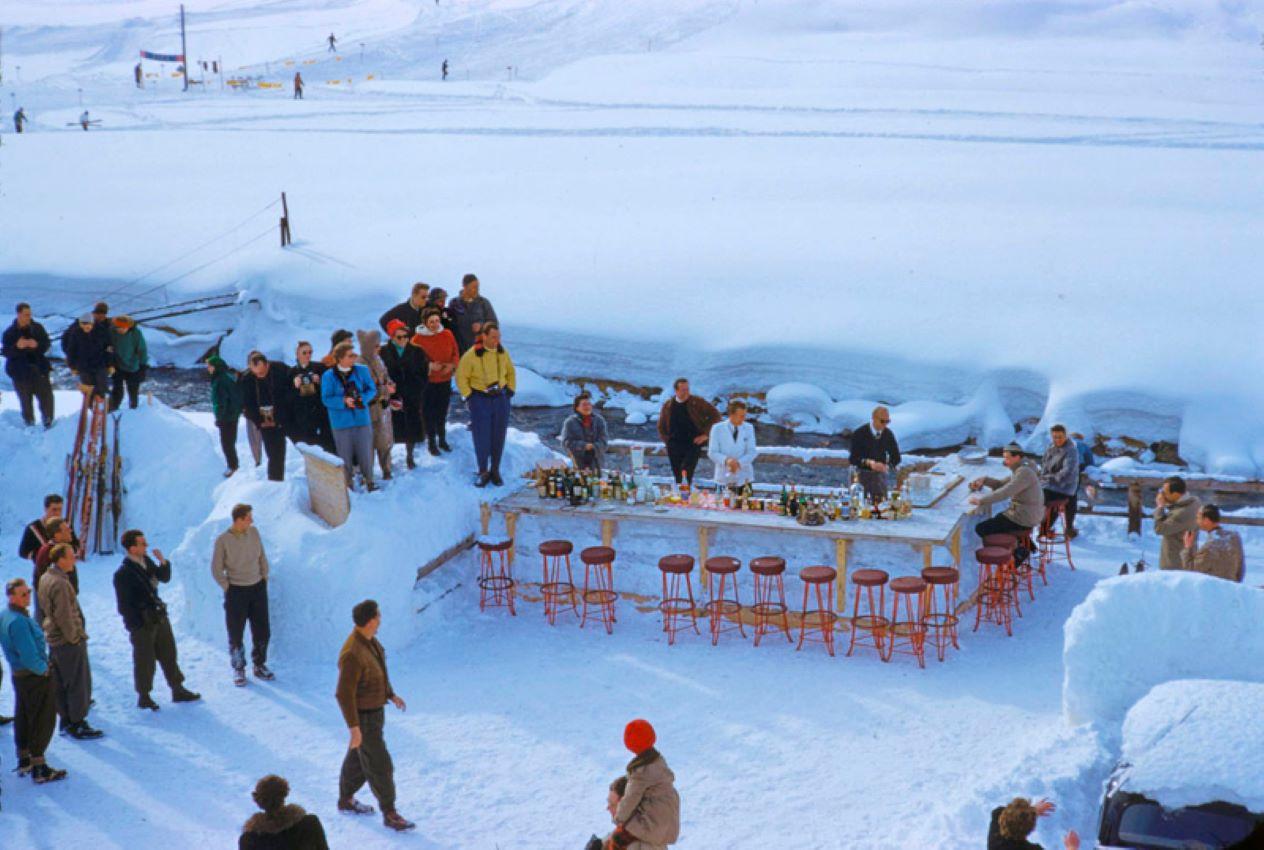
282	819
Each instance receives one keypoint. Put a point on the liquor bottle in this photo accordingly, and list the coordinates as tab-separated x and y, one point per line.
616	488
784	505
577	490
792	507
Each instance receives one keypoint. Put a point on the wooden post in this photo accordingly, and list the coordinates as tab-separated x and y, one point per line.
1134	508
609	528
840	560
485	515
285	222
928	555
511	524
955	546
704	543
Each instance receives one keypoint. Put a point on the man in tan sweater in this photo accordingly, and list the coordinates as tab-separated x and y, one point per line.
240	567
363	691
67	644
1026	498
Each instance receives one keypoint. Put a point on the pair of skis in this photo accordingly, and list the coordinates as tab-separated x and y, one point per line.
92	473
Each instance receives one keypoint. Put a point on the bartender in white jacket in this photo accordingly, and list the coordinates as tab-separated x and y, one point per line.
732	448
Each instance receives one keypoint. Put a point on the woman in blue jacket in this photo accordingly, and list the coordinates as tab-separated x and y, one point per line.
346	391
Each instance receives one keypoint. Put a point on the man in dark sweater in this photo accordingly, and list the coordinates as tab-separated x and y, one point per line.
25	347
145	616
89	352
37	534
684	424
266	399
469	312
874	452
408	312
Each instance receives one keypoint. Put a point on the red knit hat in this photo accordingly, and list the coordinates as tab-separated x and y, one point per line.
395	325
639	736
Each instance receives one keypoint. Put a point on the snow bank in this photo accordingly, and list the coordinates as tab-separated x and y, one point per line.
1192	742
1135	632
535	391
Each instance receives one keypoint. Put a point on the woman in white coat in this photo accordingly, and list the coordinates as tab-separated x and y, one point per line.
732	448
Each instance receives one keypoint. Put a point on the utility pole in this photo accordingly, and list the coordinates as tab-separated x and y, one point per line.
184	49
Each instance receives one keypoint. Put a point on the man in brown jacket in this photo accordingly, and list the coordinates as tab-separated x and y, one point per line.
363	690
648	815
684	424
67	644
240	568
1221	556
1175	514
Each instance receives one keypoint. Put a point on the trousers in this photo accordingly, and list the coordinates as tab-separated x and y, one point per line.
130	380
36	714
489	421
72	680
355	447
38	389
274	445
683	459
228	442
154	642
242	604
435	399
370	762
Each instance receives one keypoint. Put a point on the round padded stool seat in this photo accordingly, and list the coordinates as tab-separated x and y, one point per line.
1004	541
818	575
722	565
768	565
679	564
869	578
597	555
940	575
495	544
993	555
908	584
556	548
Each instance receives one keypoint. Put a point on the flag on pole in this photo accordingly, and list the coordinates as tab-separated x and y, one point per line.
162	57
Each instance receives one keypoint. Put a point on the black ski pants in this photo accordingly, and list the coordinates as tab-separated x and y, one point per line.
36	713
154	642
683	459
274	446
370	762
228	442
130	381
38	389
247	604
97	379
435	399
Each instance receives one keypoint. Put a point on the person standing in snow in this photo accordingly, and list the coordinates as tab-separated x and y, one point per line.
332	44
1060	468
684	425
731	448
380	406
408	312
1012	824
874	453
25	347
346	390
1026	500
145	617
340	335
87	347
1175	515
59	534
584	435
438	300
1221	556
407	367
240	568
442	356
648	815
67	644
24	648
37	533
470	311
364	688
131	361
19	120
298	85
486	379
265	401
310	420
280	826
139	73
445	69
226	406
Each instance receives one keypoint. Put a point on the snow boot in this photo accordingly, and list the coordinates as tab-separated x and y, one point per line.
496	479
396	821
239	677
354	807
145	701
443	444
182	694
43	773
1139	567
237	655
483	478
432	445
262	672
24	765
81	731
1123	568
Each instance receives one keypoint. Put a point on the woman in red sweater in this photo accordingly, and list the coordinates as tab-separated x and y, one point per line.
442	352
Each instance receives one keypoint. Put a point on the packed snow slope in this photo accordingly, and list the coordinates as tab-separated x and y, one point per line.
1013	209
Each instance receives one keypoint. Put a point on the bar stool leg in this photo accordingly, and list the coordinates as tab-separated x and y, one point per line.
827	621
803	624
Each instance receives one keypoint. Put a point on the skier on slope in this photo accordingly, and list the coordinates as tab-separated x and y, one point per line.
139	74
445	69
19	119
298	86
333	44
85	120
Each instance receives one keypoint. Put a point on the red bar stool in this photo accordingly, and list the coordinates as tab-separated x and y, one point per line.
599	591
907	635
874	620
495	576
822	617
675	606
1052	541
719	604
940	618
998	588
1023	571
558	594
770	596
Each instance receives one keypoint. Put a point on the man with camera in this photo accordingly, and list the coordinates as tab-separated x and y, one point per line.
346	391
266	398
486	379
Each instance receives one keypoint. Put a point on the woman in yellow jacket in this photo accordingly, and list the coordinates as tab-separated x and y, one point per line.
486	380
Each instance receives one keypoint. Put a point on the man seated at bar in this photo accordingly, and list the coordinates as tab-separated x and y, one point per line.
874	452
684	424
1026	498
732	448
584	435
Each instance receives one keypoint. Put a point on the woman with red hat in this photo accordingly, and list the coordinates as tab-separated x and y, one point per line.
648	816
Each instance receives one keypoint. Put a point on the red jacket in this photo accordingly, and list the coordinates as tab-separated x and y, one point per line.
442	351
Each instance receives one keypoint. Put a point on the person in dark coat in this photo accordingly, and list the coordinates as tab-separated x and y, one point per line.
340	335
407	366
309	422
469	312
439	301
86	345
280	826
226	405
684	424
25	347
1012	824
874	452
145	617
584	435
408	312
37	533
266	394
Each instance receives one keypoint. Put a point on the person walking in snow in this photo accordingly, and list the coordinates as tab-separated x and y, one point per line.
139	73
67	644
280	826
332	44
364	688
346	390
1026	500
470	311
409	311
145	617
874	453
1011	825
19	120
131	361
59	534
486	379
310	421
265	401
407	367
584	435
226	407
87	346
1221	556
25	347
684	425
298	85
648	814
1059	468
380	407
240	568
442	356
1175	515
445	69
731	448
35	714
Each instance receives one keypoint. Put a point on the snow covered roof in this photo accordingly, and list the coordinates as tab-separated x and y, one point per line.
1194	741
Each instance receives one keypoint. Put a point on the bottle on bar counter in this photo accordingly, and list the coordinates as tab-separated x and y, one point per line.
792	507
784	505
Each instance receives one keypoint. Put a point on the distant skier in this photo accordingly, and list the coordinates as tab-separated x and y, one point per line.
85	120
333	42
445	69
140	76
298	86
19	119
